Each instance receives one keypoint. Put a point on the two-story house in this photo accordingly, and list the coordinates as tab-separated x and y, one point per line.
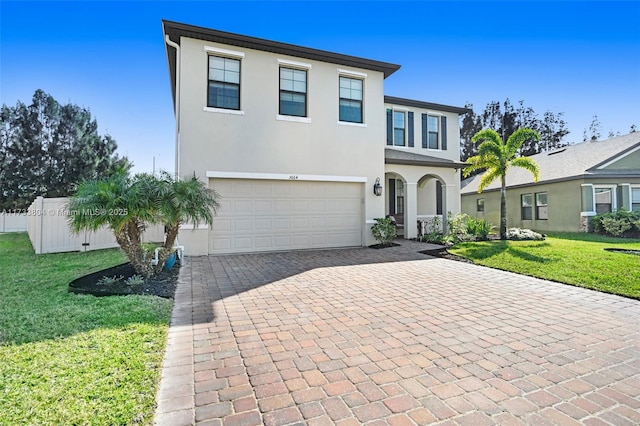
302	145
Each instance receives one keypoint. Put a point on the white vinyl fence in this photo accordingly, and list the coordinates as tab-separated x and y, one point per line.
13	222
49	231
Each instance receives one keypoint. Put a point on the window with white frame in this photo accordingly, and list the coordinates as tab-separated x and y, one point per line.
432	132
350	103
293	92
635	199
541	206
480	205
604	200
526	202
224	83
399	128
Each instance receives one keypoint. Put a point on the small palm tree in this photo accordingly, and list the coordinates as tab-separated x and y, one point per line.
127	205
496	156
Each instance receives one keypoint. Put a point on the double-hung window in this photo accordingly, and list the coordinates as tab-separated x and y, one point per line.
224	83
350	103
635	199
399	126
434	132
293	92
480	205
526	201
604	200
541	206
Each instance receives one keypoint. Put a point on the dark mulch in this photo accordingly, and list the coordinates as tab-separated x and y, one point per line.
444	254
623	250
162	285
381	246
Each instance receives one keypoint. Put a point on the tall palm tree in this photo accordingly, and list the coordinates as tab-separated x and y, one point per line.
127	205
496	156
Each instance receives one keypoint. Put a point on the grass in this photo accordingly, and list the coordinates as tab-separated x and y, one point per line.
571	258
72	359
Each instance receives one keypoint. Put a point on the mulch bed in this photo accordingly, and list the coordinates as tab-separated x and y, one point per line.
162	285
382	246
623	250
444	254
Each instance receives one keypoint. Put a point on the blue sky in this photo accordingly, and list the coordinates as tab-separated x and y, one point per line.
580	58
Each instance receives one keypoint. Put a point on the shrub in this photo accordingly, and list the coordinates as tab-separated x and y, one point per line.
384	230
523	234
478	228
135	280
110	280
619	223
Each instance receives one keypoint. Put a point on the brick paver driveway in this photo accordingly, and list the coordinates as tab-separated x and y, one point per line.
394	337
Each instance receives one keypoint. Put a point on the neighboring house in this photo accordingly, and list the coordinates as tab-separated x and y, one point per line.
294	140
576	182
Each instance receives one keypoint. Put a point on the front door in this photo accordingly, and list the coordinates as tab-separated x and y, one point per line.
396	202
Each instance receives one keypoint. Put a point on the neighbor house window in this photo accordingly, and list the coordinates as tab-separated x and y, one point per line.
635	199
604	200
541	206
526	201
293	92
350	103
480	205
398	128
224	83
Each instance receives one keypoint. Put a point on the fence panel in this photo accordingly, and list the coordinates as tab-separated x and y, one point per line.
49	230
13	222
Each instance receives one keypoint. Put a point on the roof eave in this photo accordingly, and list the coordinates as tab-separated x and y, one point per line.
175	30
425	105
443	164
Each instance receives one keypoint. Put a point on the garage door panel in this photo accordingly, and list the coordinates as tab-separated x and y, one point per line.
280	215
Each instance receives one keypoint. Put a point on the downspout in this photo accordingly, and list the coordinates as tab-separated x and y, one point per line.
177	101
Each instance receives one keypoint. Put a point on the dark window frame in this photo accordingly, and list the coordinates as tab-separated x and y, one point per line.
350	100
293	92
429	132
224	83
539	206
526	212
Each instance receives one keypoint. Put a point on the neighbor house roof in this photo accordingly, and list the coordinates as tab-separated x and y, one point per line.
395	156
581	160
426	105
175	30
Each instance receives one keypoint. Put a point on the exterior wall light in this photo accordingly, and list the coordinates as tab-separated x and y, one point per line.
377	187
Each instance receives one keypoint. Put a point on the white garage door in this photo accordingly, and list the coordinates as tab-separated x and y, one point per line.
268	215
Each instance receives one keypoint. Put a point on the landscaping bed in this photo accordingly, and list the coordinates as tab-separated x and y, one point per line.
162	285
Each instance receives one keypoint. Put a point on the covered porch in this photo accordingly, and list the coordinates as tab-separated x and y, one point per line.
418	188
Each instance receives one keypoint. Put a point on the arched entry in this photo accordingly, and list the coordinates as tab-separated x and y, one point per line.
432	200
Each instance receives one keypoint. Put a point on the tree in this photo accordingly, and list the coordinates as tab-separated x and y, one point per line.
46	148
632	129
594	130
506	119
128	204
496	156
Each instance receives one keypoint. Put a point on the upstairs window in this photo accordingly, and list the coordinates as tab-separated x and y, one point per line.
293	92
398	128
526	201
224	83
434	132
350	103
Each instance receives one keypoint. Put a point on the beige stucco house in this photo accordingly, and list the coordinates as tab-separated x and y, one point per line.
576	182
294	140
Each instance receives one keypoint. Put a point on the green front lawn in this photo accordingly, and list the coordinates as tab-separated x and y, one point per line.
72	359
571	258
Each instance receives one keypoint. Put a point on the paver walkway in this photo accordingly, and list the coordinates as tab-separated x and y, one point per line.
395	337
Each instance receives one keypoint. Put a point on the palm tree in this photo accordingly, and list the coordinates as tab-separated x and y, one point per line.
496	156
127	205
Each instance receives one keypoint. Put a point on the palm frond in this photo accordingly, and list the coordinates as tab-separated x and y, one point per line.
518	138
527	164
488	177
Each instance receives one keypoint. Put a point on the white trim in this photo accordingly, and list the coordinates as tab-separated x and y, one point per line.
283	176
588	213
223	111
294	63
402	109
293	118
351	73
586	184
225	52
608	163
370	222
189	226
348	123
